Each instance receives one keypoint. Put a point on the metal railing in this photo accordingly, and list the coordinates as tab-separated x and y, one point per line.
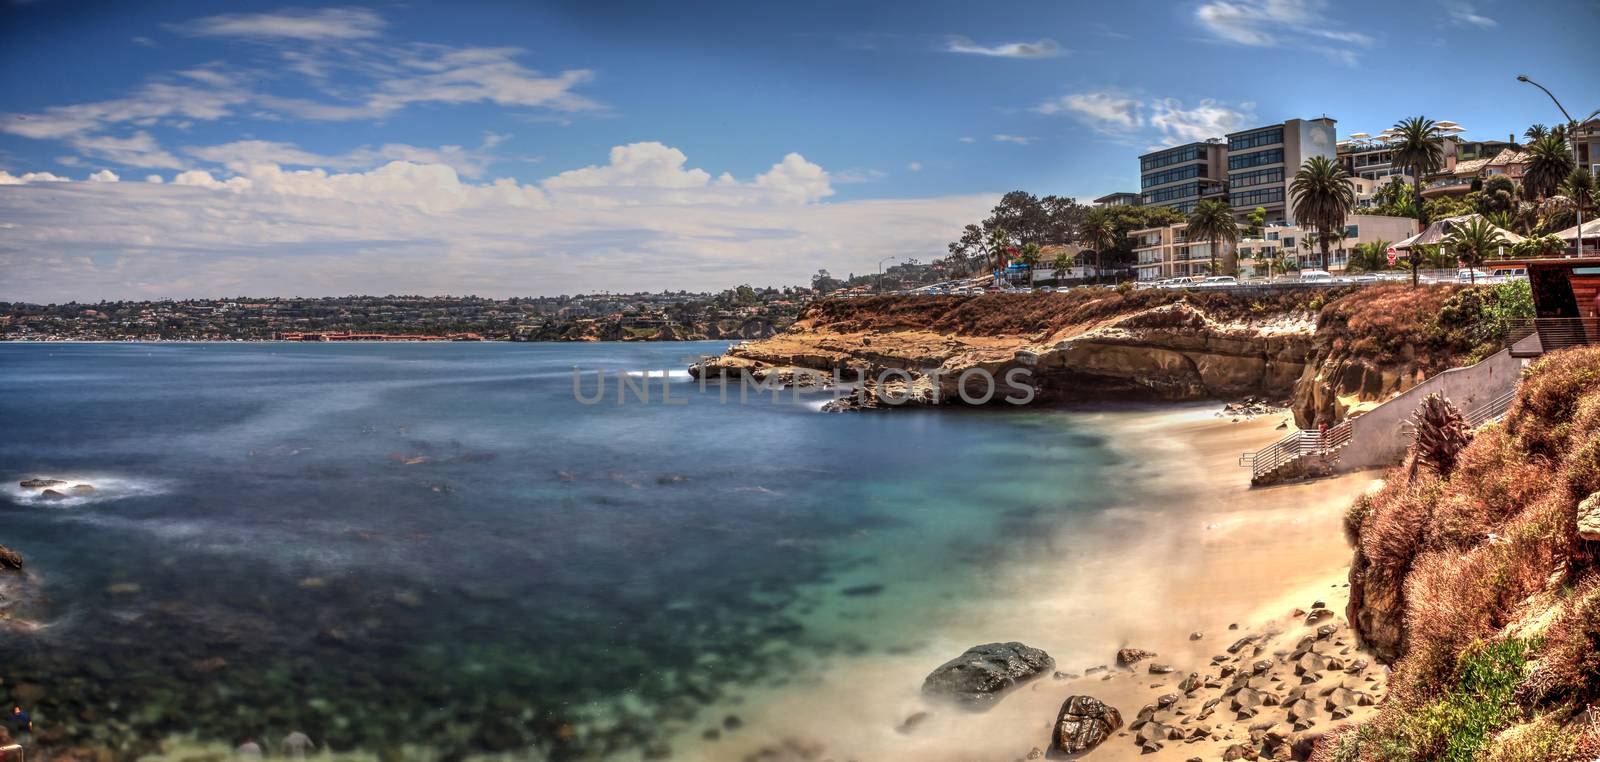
1490	411
1298	444
1555	333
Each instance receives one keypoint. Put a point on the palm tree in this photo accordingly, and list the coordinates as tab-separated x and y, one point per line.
1549	163
1417	146
1212	220
1474	241
1579	186
1323	196
1031	254
999	248
1535	132
1100	232
1369	257
1062	263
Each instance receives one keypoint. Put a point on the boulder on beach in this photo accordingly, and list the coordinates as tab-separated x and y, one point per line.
10	559
1128	657
1083	723
978	677
40	483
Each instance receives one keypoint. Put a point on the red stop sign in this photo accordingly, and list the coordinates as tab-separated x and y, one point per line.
1391	257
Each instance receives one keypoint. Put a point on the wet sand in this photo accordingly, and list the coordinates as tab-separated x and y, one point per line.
1187	547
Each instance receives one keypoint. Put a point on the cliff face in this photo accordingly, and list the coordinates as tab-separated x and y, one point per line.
1482	585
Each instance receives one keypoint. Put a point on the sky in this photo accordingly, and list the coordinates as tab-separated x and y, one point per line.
200	149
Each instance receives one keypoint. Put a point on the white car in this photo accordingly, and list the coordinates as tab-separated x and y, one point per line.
1465	275
1316	276
1176	283
1218	281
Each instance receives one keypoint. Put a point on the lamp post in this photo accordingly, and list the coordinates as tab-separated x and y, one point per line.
880	271
1572	135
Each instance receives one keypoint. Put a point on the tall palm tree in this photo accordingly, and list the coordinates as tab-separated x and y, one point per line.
999	248
1322	196
1100	232
1031	254
1580	187
1474	241
1535	132
1549	163
1418	147
1212	220
1369	257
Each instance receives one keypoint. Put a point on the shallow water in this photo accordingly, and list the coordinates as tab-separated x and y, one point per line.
437	546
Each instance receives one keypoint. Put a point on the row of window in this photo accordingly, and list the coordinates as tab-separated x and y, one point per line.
1258	177
1176	156
1256	197
1255	139
1186	190
1274	156
1173	175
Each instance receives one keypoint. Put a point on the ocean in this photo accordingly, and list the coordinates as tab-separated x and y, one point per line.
439	550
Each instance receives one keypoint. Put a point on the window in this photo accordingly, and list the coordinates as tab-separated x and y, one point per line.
1169	158
1173	175
1256	197
1288	243
1274	156
1352	231
1258	177
1170	194
1255	139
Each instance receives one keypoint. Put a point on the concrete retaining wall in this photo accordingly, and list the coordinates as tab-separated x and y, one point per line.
1377	436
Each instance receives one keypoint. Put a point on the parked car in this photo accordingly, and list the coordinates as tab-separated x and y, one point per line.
1176	283
1218	281
1472	274
1365	278
1316	276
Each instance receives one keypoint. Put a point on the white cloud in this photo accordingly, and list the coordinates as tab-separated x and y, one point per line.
1104	112
1020	140
1044	48
410	228
6	178
104	176
1208	119
1140	121
915	166
239	155
136	150
1281	23
326	24
968	139
1465	14
153	179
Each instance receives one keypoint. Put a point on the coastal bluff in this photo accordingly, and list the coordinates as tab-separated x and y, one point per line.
1314	347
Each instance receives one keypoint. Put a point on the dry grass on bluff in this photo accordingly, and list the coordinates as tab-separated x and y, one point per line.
1500	595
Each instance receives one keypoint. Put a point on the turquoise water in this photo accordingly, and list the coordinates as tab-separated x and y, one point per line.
437	546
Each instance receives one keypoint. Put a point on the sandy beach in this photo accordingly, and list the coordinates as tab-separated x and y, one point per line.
1191	549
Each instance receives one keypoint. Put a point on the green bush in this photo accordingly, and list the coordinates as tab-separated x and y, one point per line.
1459	726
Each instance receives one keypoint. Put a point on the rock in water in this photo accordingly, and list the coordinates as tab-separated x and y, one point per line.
1084	723
980	676
40	483
10	559
51	494
1589	518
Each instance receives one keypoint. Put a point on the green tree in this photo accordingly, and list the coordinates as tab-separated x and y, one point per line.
1538	246
1580	188
1473	242
1100	233
999	247
1031	254
1549	163
1418	147
1062	263
1212	220
1535	132
1322	197
1257	220
1369	257
1499	194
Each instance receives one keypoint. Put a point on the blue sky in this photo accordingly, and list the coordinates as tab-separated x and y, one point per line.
520	148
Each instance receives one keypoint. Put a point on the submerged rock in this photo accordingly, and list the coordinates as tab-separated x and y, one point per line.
10	559
40	483
1083	723
51	494
978	677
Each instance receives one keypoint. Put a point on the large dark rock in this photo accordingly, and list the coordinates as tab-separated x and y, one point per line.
1083	723
40	483
10	559
980	676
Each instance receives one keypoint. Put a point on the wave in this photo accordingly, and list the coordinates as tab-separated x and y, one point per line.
107	487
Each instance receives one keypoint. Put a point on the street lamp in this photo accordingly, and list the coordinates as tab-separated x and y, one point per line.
1572	135
885	259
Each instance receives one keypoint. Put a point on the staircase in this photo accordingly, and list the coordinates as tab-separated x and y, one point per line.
1374	438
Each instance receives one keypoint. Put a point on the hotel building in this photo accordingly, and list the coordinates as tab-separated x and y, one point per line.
1262	162
1179	177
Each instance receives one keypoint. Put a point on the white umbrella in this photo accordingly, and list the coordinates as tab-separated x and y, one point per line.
1359	135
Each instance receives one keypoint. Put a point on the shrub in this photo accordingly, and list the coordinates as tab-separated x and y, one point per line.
1459	726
